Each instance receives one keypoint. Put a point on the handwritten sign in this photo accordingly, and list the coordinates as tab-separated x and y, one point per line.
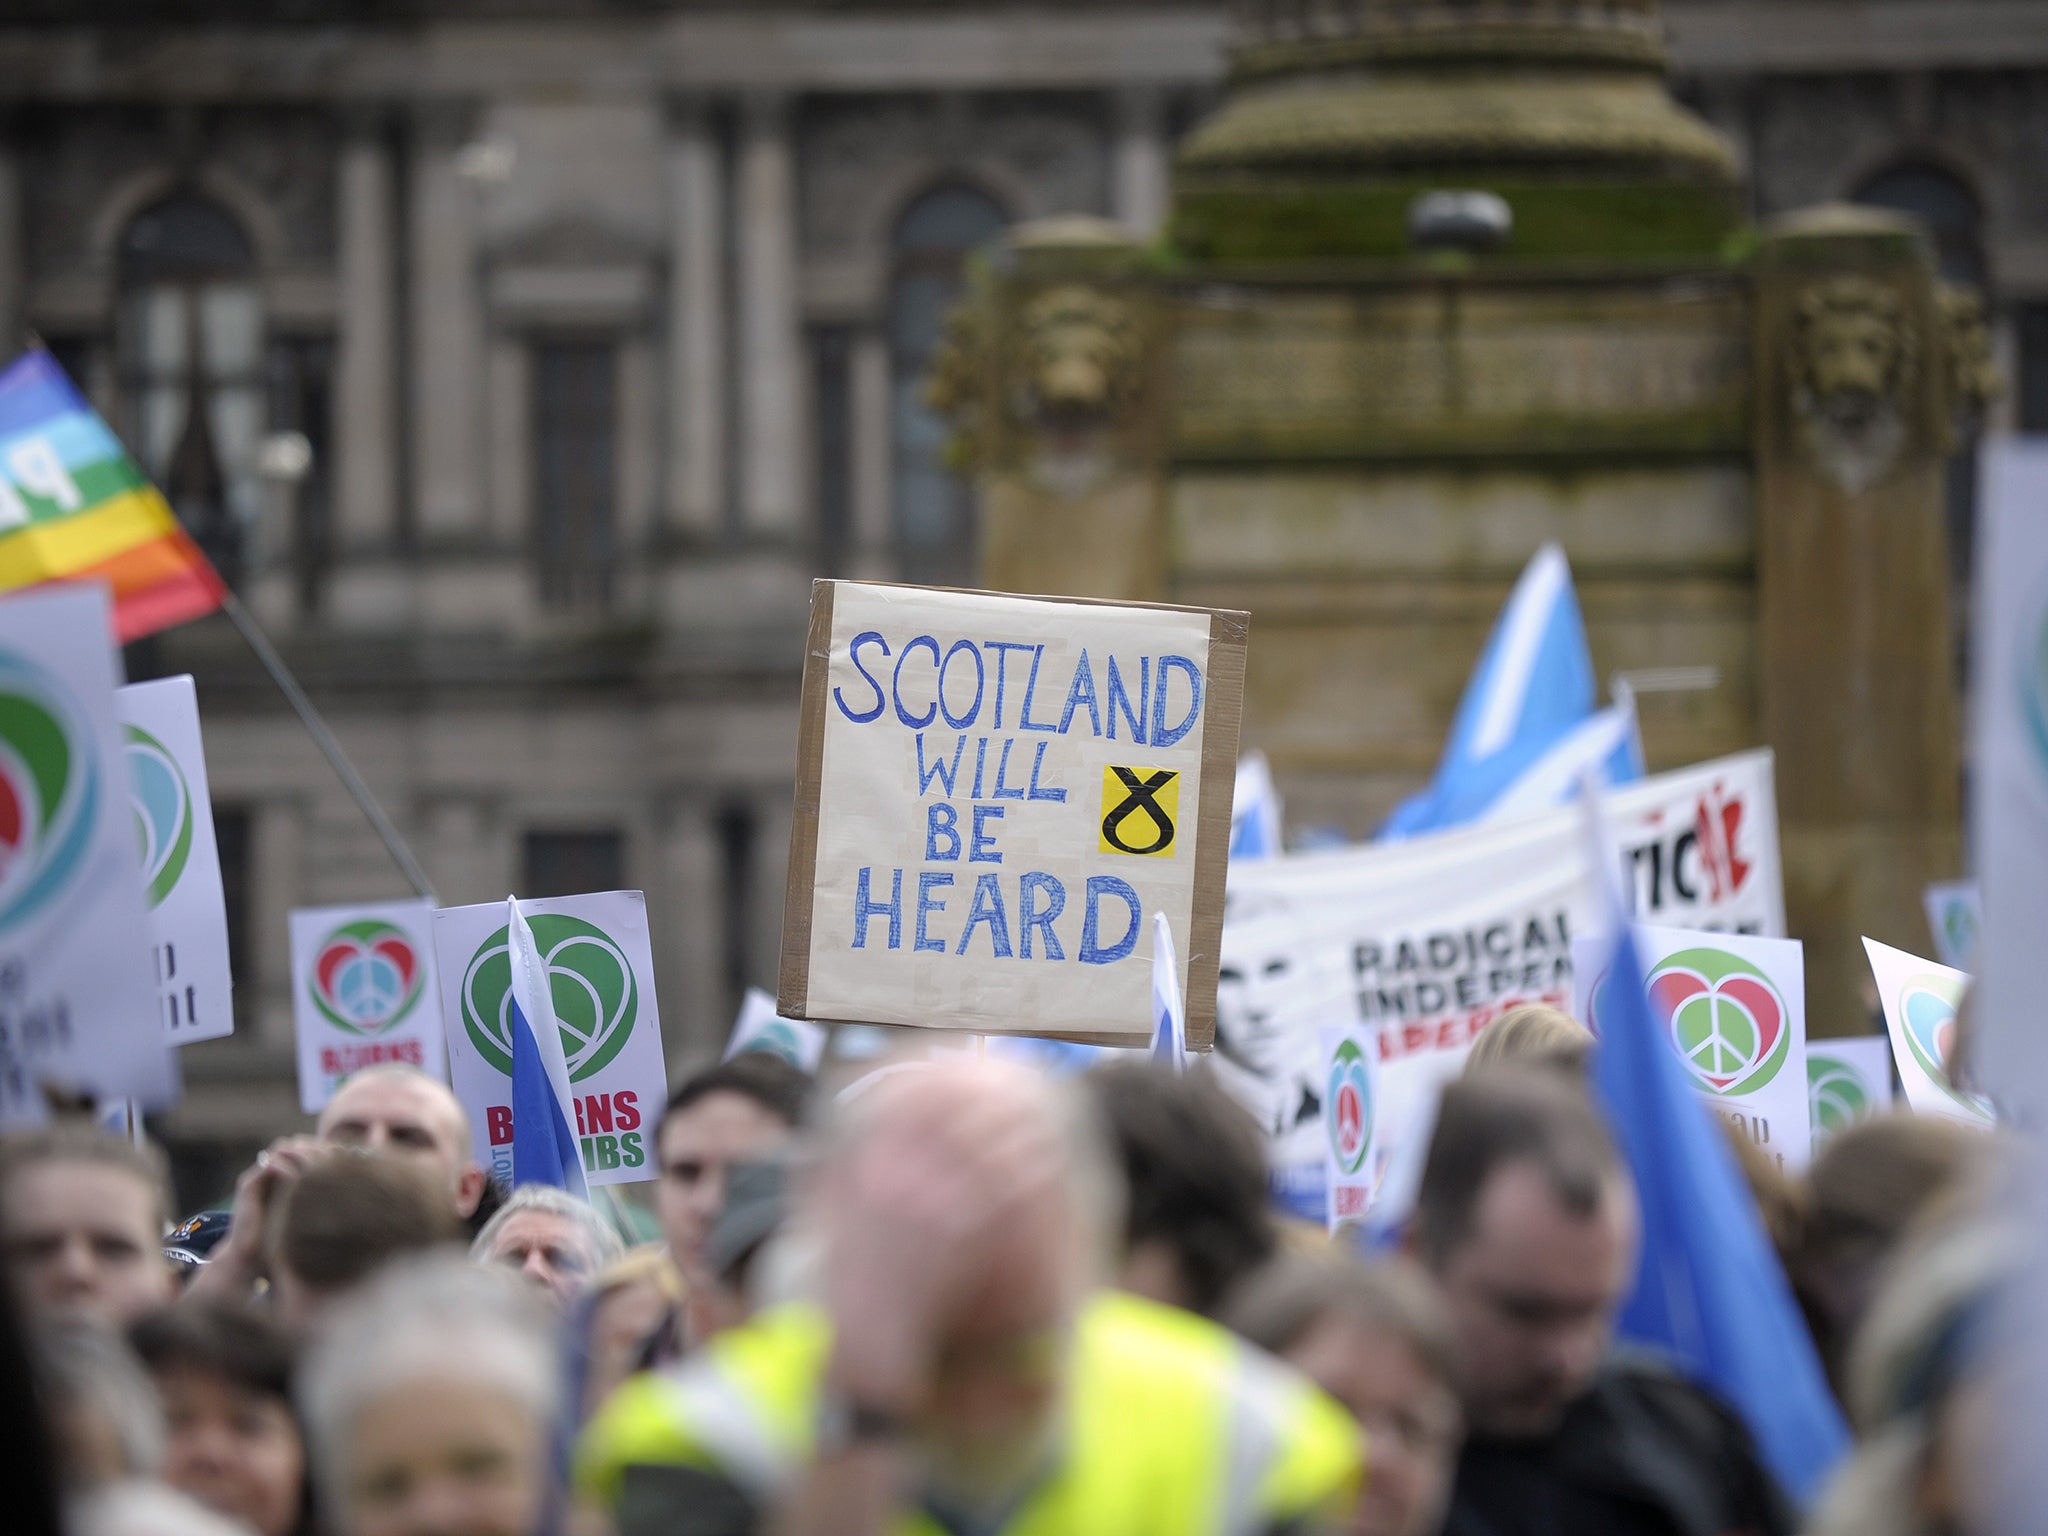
994	796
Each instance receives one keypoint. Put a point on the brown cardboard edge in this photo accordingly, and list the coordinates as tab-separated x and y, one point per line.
793	976
1222	727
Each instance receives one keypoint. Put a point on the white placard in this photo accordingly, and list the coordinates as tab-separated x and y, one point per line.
77	998
1921	1003
1005	789
601	971
1351	1124
1425	942
760	1028
187	910
1848	1080
364	993
1734	1008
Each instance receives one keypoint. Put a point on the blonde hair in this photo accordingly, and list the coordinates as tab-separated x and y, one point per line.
1534	1034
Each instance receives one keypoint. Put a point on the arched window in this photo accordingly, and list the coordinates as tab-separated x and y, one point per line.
191	347
934	507
1950	210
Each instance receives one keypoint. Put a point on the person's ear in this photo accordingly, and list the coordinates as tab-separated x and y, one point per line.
469	1190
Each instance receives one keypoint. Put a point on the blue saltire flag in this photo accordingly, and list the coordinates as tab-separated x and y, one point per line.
1710	1291
1604	747
544	1144
1169	1017
1254	810
1533	684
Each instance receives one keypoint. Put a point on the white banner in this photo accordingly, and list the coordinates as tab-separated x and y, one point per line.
187	911
1426	942
1734	1008
1004	789
1848	1081
760	1028
1351	1123
78	1003
601	972
363	993
1921	1001
2009	776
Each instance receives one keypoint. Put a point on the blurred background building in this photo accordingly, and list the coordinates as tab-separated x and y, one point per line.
523	362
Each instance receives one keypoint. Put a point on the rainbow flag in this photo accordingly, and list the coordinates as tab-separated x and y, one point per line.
74	507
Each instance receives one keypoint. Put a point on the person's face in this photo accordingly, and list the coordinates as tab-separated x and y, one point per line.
83	1238
1533	1289
697	1146
409	1117
1249	1026
438	1457
236	1451
550	1249
1409	1415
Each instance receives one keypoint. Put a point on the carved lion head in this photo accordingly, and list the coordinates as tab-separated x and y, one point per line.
1853	353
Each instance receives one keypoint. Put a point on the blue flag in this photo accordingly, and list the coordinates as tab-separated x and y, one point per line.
1710	1291
544	1144
1169	1016
1534	684
1254	810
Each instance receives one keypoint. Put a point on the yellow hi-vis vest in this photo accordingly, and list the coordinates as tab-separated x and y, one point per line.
1175	1428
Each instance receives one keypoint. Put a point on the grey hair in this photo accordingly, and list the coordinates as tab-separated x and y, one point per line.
606	1247
91	1371
430	1318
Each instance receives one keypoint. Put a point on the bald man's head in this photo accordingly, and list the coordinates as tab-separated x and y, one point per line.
401	1111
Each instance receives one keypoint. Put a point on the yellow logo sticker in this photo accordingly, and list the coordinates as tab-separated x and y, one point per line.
1140	809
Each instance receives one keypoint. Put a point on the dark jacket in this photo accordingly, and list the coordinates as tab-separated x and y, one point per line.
1643	1453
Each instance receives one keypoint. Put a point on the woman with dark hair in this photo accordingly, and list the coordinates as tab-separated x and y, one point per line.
234	1444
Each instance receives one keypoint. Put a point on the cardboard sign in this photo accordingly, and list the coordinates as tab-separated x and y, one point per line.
1847	1081
1955	916
601	975
1734	1008
993	795
78	1002
1351	1123
760	1028
364	993
187	911
1426	942
1921	1002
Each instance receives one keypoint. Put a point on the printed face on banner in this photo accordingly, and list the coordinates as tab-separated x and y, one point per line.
187	910
1350	1123
601	981
1734	1009
1922	1002
1009	789
77	1003
1847	1082
363	993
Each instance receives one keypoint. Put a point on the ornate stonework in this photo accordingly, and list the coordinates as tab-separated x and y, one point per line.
1853	357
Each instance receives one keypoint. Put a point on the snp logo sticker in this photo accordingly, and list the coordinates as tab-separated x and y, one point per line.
1140	807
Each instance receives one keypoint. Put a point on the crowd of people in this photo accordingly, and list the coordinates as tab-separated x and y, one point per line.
956	1296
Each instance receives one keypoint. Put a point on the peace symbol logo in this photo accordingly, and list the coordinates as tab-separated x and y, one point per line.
49	790
1836	1094
163	812
1350	1101
366	976
590	981
1726	1017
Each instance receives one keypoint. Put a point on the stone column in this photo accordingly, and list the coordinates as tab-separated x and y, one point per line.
1142	171
13	237
872	427
697	385
774	811
694	875
447	399
367	382
1854	630
772	378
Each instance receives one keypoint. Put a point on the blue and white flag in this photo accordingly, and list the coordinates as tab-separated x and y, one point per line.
544	1143
1605	746
1169	1017
1533	685
1709	1289
1254	810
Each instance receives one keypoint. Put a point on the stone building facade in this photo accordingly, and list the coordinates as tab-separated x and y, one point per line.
606	326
